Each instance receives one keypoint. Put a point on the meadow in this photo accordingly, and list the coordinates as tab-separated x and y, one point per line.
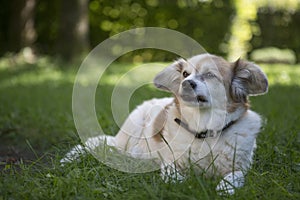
37	129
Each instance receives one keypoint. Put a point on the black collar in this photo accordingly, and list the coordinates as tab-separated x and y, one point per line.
199	135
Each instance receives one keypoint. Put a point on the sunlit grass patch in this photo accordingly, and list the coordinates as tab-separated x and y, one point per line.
282	74
15	72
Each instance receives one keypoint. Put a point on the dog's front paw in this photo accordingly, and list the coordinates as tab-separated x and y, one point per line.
230	182
169	173
73	154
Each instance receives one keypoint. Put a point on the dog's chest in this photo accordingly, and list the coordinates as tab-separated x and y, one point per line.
184	146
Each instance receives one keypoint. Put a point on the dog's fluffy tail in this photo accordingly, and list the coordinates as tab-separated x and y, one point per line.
89	145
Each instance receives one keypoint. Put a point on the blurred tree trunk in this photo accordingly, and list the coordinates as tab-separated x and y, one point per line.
73	38
21	30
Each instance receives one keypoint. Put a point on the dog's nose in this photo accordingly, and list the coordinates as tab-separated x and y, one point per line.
189	84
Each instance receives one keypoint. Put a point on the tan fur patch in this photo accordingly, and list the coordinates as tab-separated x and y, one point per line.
248	80
226	70
232	106
160	121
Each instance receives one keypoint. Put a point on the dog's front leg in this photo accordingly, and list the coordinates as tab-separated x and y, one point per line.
230	182
90	144
170	173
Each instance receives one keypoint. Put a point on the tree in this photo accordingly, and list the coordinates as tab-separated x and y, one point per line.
74	29
21	29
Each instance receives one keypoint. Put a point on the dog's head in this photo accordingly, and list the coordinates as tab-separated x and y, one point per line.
202	80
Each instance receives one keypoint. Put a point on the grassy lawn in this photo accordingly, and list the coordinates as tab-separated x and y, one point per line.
37	128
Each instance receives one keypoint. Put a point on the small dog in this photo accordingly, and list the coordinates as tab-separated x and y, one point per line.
207	124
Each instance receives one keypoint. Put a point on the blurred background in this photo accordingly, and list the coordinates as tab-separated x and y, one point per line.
43	42
264	30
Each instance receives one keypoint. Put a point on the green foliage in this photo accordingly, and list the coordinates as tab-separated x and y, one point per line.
262	24
279	28
232	28
206	21
35	106
195	19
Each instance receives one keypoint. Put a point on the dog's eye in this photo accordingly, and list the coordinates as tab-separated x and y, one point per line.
185	74
209	75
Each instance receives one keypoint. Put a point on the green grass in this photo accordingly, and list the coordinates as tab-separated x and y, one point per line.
37	128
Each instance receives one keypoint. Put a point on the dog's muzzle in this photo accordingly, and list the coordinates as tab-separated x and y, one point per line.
189	88
189	85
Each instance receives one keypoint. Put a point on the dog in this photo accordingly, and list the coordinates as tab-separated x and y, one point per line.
208	123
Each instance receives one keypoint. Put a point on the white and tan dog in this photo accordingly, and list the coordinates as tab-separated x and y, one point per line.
207	124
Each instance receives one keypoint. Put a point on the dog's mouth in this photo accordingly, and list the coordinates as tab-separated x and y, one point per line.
202	99
198	98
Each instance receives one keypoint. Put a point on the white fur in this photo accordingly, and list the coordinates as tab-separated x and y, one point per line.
230	182
228	153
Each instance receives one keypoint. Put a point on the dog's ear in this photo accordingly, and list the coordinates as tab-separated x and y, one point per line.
248	79
169	78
